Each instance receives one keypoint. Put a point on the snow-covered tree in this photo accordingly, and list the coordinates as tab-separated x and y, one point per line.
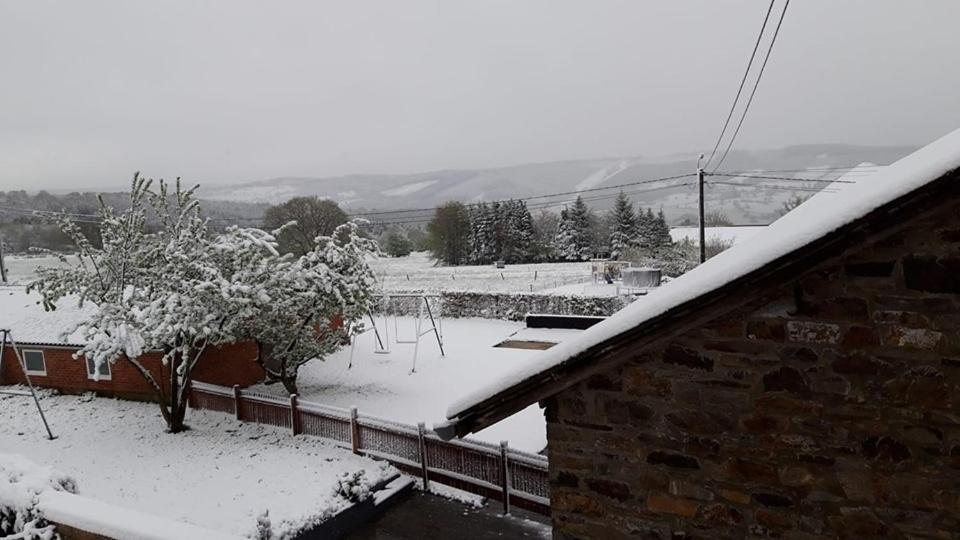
516	232
623	226
654	233
482	248
573	242
176	288
315	301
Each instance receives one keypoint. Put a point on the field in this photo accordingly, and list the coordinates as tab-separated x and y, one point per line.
22	268
415	272
418	272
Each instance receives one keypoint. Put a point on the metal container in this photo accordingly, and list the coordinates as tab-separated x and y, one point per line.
641	278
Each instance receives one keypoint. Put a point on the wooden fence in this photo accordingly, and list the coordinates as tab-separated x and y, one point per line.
510	476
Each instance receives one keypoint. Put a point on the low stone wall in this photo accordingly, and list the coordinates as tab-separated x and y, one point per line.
507	306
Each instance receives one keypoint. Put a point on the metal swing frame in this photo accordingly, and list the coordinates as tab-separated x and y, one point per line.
382	346
7	334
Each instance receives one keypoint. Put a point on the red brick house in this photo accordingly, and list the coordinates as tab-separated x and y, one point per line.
48	354
805	384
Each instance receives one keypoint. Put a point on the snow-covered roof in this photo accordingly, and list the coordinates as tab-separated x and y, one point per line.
29	323
822	214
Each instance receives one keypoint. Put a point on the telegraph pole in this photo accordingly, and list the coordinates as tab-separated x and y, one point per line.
703	229
3	266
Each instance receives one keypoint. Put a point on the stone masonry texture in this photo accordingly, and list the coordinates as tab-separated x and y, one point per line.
826	409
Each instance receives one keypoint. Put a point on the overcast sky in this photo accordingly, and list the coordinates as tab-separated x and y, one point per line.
234	91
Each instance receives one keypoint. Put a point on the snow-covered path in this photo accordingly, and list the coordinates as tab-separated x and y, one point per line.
382	385
221	474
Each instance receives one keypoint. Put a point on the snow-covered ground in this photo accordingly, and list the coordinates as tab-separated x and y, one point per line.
222	474
22	268
382	384
418	271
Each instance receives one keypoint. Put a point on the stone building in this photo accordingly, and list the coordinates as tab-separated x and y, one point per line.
800	385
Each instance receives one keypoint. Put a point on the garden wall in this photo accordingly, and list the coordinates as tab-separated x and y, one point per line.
507	306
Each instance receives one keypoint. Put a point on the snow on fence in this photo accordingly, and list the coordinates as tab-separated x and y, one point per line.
510	476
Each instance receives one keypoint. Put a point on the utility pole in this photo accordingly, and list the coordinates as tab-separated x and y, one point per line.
703	228
3	266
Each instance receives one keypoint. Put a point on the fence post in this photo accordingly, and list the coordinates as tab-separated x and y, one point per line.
236	400
505	477
294	415
354	431
421	428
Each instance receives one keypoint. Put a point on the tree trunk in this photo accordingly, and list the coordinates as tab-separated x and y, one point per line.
290	383
177	413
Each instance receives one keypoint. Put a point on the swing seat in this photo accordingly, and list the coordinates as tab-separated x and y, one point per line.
15	393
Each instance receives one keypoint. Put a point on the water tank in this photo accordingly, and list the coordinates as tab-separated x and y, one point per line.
641	278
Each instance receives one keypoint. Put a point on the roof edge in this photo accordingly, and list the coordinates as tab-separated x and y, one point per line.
876	224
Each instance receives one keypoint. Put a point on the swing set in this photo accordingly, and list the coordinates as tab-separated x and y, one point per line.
421	328
8	335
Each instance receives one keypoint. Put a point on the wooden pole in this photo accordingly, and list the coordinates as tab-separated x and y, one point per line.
354	431
505	477
3	265
294	415
421	436
33	392
703	225
236	400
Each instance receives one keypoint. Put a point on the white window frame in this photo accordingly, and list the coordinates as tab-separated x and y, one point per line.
92	374
43	358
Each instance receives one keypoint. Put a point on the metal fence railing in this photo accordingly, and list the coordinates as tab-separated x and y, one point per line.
510	476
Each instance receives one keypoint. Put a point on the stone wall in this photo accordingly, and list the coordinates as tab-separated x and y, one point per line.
828	409
510	306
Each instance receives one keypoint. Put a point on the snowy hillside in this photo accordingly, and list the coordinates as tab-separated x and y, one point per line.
742	205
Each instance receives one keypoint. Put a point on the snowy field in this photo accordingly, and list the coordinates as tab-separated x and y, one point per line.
417	271
21	269
222	474
382	384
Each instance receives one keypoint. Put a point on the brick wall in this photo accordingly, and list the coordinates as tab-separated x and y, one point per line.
828	409
227	365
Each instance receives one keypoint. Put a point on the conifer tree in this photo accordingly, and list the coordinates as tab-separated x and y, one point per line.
661	231
646	235
623	226
573	238
524	235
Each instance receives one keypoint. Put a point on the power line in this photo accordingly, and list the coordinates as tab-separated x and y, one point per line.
767	186
575	192
536	206
783	178
812	170
756	84
743	81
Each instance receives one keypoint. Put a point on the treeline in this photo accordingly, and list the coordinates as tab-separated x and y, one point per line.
507	231
22	229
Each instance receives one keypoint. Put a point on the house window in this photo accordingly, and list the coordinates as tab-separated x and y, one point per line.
34	362
92	370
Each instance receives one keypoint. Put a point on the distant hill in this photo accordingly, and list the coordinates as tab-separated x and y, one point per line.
740	204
